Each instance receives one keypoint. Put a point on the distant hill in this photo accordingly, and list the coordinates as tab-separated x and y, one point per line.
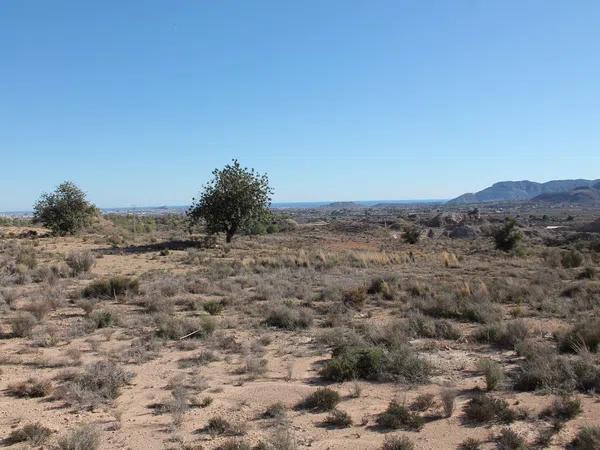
521	191
342	205
579	195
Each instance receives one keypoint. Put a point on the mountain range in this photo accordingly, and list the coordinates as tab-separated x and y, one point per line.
555	191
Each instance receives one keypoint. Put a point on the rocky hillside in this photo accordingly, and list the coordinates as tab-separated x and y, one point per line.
521	191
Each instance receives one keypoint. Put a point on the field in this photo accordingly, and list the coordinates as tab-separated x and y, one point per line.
333	334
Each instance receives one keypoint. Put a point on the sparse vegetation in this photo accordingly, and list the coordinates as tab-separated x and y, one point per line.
323	399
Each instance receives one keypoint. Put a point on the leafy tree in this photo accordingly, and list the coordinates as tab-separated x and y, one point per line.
64	211
235	198
507	237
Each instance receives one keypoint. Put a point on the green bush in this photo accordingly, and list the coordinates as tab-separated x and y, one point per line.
288	318
398	416
111	288
213	307
482	408
323	399
338	419
507	237
585	334
588	438
65	211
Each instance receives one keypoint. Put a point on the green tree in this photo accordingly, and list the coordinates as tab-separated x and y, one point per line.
232	200
507	237
64	211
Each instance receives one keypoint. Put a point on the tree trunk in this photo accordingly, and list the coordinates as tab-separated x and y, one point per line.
229	235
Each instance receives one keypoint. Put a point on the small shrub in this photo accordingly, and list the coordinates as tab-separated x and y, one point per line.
422	326
85	437
81	262
100	319
218	426
170	327
376	363
213	307
507	237
585	334
411	234
288	318
398	416
423	402
355	297
100	382
503	335
30	388
337	419
397	443
470	444
323	399
493	373
588	438
34	434
111	288
234	444
563	408
448	399
275	411
483	408
380	286
509	440
571	258
22	324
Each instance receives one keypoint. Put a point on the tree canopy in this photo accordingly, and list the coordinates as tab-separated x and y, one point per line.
64	211
232	200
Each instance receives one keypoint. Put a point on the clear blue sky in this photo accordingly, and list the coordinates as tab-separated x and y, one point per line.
137	101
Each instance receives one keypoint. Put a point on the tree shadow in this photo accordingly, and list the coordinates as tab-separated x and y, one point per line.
150	248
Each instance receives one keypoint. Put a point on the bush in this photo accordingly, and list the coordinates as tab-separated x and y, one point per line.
588	438
422	326
65	211
585	334
323	399
509	440
355	297
218	426
337	419
398	416
503	335
571	258
100	382
493	373
423	402
170	327
275	411
411	234
483	408
22	324
470	444
563	408
376	363
234	444
85	437
397	443
448	398
30	388
288	318
35	434
507	237
111	288
213	307
100	319
81	262
380	286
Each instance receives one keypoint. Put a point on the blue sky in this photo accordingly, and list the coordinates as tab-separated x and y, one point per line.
138	101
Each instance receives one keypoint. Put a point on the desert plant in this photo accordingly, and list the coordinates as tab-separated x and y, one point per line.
493	373
411	234
275	411
448	399
337	419
584	335
507	237
354	297
323	399
423	402
213	307
482	408
64	211
288	318
588	438
22	324
397	443
84	437
232	200
35	434
171	327
509	440
32	387
81	261
398	416
111	288
571	258
470	444
563	408
234	444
